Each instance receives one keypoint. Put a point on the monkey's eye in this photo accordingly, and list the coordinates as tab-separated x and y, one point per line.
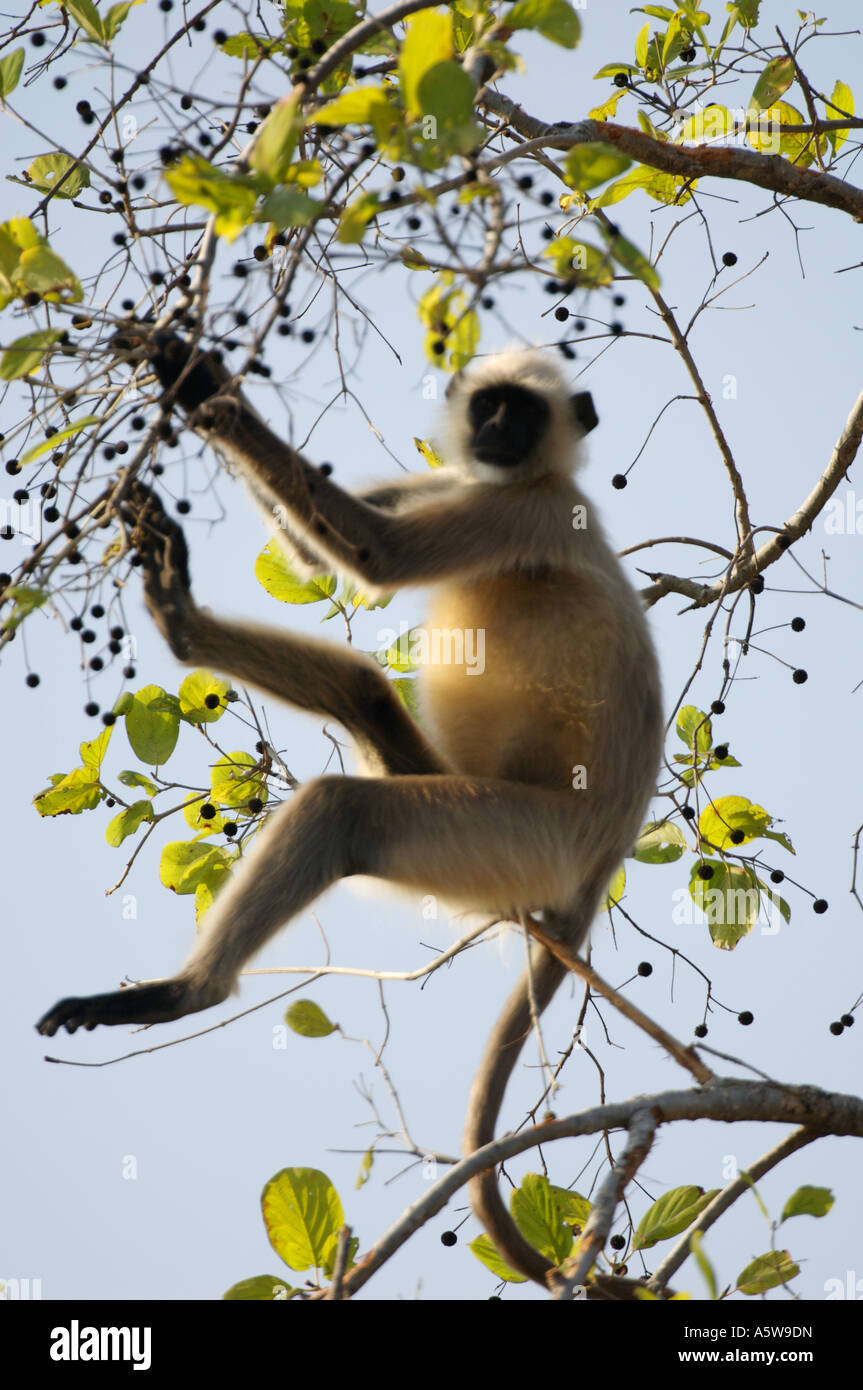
483	405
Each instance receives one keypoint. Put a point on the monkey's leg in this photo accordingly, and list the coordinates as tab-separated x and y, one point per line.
317	676
488	844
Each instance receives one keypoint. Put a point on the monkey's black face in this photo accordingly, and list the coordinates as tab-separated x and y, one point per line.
506	422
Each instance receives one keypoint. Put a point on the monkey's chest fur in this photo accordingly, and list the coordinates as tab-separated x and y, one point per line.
541	664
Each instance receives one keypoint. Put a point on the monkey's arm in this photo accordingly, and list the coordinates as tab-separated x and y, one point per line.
440	537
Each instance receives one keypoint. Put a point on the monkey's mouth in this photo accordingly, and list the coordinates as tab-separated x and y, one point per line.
497	455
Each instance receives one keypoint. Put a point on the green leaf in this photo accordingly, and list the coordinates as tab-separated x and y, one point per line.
366	1167
774	80
732	813
762	134
153	724
10	72
74	427
28	263
47	169
193	694
303	1216
843	98
616	889
195	181
137	779
185	864
261	1288
713	123
128	821
808	1201
641	42
707	1270
669	1216
406	690
116	17
85	14
660	842
363	106
246	45
273	572
767	1272
309	1020
276	141
446	92
236	778
287	207
554	19
27	600
428	41
77	792
573	1208
587	166
537	1214
629	256
689	719
356	217
487	1253
24	355
590	266
731	901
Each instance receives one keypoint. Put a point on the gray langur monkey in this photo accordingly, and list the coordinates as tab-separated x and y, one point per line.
485	809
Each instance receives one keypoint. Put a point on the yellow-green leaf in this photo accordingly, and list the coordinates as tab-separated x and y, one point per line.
808	1201
47	170
274	574
24	355
767	1272
185	864
842	98
309	1020
10	72
74	427
487	1253
554	19
128	821
589	165
194	692
428	40
276	141
774	80
78	791
670	1215
303	1216
231	197
153	724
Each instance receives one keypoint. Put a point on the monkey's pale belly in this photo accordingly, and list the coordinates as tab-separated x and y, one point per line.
515	718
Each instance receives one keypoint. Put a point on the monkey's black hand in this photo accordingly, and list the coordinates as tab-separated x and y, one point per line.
162	547
154	1003
190	375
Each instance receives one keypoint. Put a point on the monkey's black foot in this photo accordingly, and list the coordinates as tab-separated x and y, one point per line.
154	1003
162	547
190	374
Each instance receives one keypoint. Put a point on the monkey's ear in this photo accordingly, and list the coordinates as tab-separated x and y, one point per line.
453	383
585	411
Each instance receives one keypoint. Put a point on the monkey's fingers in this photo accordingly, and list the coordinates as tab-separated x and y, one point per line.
162	547
154	1003
193	376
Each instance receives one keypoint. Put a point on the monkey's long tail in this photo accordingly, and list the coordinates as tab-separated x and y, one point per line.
501	1054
